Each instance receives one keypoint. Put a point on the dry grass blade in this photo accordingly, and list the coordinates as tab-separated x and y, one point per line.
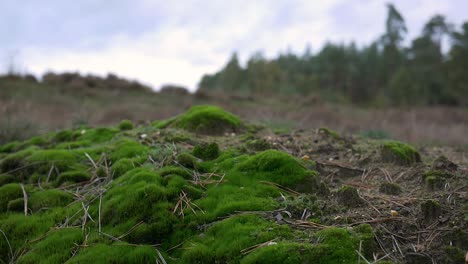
25	198
91	159
286	189
183	203
8	242
130	230
160	257
248	250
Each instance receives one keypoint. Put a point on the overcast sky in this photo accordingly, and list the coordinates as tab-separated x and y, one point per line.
176	42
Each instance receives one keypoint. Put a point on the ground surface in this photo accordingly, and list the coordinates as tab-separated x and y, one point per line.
219	190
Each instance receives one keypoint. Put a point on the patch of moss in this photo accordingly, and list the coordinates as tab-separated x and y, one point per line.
275	166
258	144
56	247
399	153
390	188
43	160
73	144
98	135
443	163
73	177
430	211
15	163
205	119
173	170
329	133
453	255
9	192
16	205
223	242
125	125
63	136
6	178
47	199
120	167
141	195
117	253
206	151
186	160
435	180
9	147
128	149
349	197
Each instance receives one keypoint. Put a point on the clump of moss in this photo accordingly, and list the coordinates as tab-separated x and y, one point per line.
258	144
329	133
73	177
63	136
9	147
6	178
126	125
98	135
205	119
399	153
349	197
9	192
390	188
206	151
442	163
115	253
223	242
57	247
128	149
186	160
435	180
275	166
120	167
16	205
430	211
63	160
48	199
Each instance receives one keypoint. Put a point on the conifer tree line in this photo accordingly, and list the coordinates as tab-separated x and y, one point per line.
385	72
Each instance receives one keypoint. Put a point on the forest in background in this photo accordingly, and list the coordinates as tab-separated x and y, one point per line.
432	70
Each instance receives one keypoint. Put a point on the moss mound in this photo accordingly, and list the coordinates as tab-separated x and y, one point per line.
349	197
206	151
126	125
205	119
399	153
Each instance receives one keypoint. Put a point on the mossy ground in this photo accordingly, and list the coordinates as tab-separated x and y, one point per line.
176	192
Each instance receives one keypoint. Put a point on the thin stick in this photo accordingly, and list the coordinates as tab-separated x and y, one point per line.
25	198
99	212
8	242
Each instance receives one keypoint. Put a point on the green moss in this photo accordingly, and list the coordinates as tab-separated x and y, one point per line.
282	252
329	133
15	163
117	253
223	242
258	144
9	147
206	151
141	195
125	125
120	167
275	166
205	119
6	178
399	153
390	188
186	160
74	144
349	197
73	177
63	136
453	255
43	160
444	164
98	135
435	179
9	192
34	141
56	247
16	205
128	149
173	170
430	211
49	198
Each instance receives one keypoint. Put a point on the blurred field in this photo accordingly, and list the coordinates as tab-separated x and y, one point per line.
28	107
